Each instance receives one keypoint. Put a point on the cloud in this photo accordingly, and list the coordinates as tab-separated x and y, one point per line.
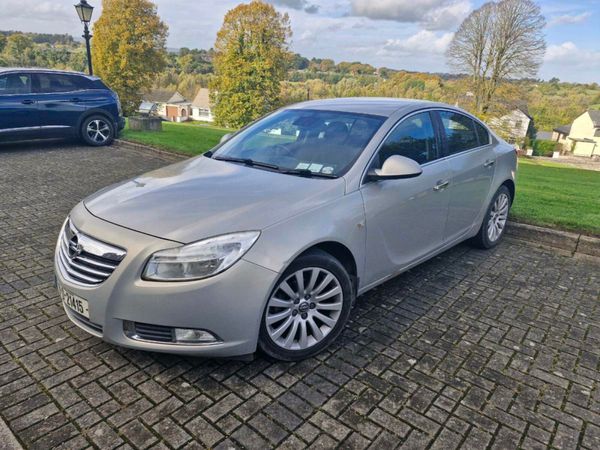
569	54
301	5
431	14
424	42
569	19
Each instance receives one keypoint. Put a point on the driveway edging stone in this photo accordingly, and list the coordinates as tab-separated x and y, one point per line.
564	240
167	154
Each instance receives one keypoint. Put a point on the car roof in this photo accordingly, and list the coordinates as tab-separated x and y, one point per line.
381	106
43	70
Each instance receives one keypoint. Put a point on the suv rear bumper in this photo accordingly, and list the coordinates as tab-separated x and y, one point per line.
121	123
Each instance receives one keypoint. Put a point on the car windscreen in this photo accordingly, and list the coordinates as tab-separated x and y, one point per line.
314	141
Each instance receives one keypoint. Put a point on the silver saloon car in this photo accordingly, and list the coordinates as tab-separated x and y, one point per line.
266	241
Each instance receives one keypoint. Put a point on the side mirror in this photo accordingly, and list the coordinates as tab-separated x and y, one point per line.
396	167
225	137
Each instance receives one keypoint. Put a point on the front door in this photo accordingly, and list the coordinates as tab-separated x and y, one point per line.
472	160
18	107
406	218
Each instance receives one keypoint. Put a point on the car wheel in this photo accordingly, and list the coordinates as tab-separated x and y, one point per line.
97	131
307	309
494	222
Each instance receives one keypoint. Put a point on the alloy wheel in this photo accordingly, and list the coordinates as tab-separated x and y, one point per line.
498	217
98	131
304	308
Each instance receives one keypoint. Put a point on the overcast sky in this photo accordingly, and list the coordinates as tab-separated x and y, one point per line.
401	34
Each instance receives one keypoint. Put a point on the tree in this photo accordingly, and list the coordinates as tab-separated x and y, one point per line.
2	42
19	50
498	41
250	61
129	48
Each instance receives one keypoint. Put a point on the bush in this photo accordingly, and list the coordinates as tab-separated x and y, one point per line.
543	148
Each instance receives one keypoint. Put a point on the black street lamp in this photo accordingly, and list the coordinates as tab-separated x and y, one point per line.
84	11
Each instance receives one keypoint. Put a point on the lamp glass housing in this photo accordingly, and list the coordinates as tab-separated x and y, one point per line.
84	11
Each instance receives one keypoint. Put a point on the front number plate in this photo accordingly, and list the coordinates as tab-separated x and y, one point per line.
74	302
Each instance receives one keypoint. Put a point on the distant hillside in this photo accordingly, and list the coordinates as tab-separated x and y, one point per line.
45	38
551	103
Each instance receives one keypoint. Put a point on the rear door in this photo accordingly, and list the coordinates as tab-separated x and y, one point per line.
472	160
405	218
62	99
18	107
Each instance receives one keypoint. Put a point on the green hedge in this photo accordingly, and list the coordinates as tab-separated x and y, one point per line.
543	148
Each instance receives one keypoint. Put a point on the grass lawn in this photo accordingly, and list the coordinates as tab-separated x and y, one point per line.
556	196
191	137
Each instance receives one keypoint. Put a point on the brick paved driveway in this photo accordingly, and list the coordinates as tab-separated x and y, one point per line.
476	349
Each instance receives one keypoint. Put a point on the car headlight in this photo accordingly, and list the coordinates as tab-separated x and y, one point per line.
200	259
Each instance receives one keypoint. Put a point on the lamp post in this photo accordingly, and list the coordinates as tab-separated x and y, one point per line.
84	11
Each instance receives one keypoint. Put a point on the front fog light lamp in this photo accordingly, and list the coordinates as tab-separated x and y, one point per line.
191	336
200	259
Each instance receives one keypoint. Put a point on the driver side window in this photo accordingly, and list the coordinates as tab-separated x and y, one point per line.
413	138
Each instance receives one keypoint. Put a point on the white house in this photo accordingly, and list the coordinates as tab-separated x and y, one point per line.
201	109
516	125
171	106
585	133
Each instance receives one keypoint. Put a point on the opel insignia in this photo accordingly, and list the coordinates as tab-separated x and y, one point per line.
266	241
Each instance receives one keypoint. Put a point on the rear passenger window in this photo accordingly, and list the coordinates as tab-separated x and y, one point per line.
15	83
482	134
49	82
460	132
413	138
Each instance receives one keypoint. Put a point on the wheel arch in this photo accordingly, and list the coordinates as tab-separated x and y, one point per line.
94	112
510	184
340	252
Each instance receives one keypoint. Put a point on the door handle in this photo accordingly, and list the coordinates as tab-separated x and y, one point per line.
441	185
28	101
489	163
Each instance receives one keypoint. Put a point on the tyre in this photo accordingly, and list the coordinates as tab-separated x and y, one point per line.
307	309
494	222
97	131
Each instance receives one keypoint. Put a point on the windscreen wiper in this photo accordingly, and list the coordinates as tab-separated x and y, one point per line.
248	162
307	173
299	172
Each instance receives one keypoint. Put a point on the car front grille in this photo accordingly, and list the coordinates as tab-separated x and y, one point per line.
85	260
149	332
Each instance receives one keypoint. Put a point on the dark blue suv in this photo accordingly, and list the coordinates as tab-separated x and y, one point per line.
42	103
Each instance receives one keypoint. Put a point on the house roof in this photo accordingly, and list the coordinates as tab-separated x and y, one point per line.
202	99
595	115
563	129
164	96
158	95
524	109
177	98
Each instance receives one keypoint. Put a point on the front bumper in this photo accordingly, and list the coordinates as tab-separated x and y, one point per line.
121	123
229	305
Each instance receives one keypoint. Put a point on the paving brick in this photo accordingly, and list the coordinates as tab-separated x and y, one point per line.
474	349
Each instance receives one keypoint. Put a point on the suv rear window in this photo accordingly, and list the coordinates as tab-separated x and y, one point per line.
51	82
15	83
